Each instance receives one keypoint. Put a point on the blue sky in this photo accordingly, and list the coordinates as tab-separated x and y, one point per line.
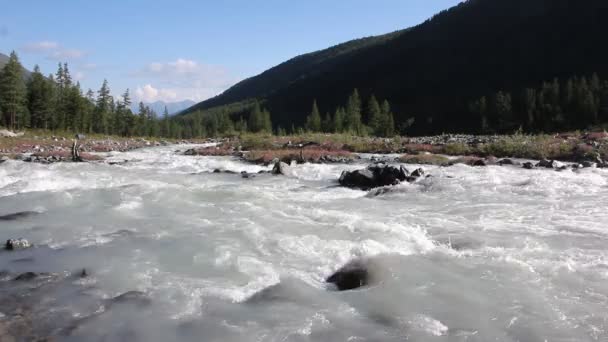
175	50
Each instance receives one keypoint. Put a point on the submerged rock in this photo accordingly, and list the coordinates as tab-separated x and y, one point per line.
26	276
528	166
355	274
15	244
549	164
507	161
247	175
480	162
17	216
281	168
376	176
132	297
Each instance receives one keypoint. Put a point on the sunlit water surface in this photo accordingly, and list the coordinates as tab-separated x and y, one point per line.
474	254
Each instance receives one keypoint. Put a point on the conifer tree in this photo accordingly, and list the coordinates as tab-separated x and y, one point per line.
353	114
339	117
327	124
313	122
387	127
376	116
13	94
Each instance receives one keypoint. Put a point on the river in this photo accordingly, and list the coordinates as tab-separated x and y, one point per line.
473	254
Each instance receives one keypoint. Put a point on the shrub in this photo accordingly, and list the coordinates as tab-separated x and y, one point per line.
425	159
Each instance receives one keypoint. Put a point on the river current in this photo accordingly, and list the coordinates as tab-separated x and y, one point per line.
472	254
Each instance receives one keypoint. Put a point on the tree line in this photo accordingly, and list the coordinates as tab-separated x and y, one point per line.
572	103
354	118
55	102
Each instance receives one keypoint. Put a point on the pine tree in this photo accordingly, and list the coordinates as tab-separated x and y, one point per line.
142	119
387	128
338	124
376	116
327	124
313	122
166	131
90	111
13	94
102	110
40	98
266	122
256	121
353	114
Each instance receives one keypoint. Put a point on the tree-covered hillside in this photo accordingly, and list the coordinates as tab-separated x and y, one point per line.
432	73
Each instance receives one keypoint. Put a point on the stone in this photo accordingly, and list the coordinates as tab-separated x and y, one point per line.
26	276
506	161
417	173
355	274
480	162
528	165
132	297
281	168
549	164
16	244
18	215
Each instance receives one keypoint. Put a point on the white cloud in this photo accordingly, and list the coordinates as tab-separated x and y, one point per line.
78	76
181	79
66	54
43	46
148	93
54	51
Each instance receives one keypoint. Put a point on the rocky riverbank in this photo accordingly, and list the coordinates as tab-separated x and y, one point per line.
52	149
573	147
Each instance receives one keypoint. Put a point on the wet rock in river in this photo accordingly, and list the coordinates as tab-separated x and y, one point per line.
18	216
137	298
16	244
26	276
355	274
281	168
375	176
549	164
528	165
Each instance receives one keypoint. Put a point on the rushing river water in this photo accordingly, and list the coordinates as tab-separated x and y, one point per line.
472	254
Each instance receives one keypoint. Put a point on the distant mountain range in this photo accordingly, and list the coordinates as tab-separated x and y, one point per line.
432	72
159	106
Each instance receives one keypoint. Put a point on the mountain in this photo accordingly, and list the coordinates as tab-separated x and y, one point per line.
431	72
159	106
4	59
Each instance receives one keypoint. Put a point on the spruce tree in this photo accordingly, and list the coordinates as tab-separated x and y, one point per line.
40	99
353	114
327	124
166	131
102	109
338	124
13	94
387	128
376	116
313	122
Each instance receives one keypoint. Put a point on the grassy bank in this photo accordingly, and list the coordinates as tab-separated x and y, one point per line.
263	148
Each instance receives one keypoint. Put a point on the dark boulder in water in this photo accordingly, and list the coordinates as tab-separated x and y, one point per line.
281	168
355	274
132	297
480	162
26	276
507	161
375	176
18	216
528	166
549	164
16	244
